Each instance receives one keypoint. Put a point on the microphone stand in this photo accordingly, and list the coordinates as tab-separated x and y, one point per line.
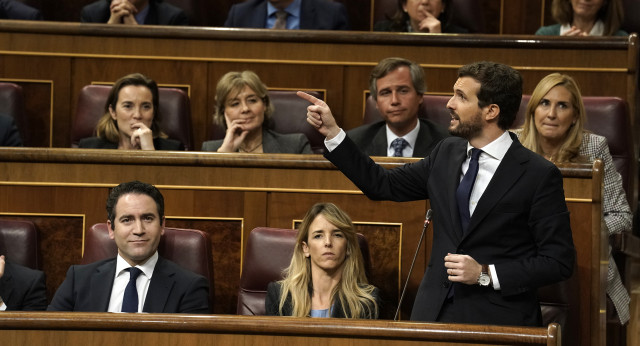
427	221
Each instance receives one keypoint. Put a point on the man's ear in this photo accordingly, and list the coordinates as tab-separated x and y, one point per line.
111	232
491	112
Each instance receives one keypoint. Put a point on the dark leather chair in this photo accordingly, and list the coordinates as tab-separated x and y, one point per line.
289	116
466	13
175	112
12	104
268	252
189	248
19	243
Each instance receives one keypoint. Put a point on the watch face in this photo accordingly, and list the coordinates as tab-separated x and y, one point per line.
484	280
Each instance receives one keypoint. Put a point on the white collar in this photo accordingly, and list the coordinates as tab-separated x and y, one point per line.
147	267
410	137
596	30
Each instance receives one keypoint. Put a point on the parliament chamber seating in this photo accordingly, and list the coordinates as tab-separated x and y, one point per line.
19	243
189	248
464	13
12	104
289	116
268	252
175	113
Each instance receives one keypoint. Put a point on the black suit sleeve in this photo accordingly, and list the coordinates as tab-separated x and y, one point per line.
64	299
272	301
196	297
36	297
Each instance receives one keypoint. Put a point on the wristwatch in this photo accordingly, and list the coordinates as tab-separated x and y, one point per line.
484	279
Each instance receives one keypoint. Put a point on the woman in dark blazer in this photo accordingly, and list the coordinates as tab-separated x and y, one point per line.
433	16
243	109
131	119
326	276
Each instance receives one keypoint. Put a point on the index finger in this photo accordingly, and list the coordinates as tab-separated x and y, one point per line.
316	101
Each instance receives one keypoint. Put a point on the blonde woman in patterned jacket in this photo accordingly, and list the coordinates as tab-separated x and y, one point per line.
554	128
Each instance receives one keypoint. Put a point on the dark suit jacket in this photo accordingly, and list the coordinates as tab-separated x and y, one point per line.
314	15
520	225
13	9
9	135
158	143
160	13
23	288
273	142
172	289
272	302
372	138
391	26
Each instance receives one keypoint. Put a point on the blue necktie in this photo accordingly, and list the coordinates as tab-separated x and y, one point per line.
398	145
130	300
464	189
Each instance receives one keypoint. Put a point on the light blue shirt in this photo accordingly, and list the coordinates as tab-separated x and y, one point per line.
320	313
293	19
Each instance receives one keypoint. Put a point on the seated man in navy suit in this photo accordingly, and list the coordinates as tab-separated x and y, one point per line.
21	288
150	12
397	86
13	9
137	280
297	14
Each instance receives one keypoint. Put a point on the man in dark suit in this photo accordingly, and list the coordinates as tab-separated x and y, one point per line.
21	288
13	9
9	135
148	12
300	14
397	86
495	243
137	280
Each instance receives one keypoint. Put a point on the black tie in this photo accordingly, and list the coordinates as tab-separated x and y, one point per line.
398	145
464	189
130	300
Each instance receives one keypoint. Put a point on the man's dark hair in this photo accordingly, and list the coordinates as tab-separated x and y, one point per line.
391	64
499	84
135	187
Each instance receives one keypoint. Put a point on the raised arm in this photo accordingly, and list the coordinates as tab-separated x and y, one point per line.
320	117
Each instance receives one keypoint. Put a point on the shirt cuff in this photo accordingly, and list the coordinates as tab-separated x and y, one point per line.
335	141
494	277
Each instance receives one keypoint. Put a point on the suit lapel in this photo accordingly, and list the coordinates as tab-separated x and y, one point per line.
269	143
307	15
458	155
378	145
159	288
508	173
101	285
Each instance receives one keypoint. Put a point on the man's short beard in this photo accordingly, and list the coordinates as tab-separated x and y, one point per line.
469	129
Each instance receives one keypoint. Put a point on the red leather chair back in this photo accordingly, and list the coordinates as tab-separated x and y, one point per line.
289	116
467	14
175	111
12	104
268	252
189	248
19	243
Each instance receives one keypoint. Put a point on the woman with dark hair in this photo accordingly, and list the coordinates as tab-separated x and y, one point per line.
132	118
243	109
554	128
585	18
326	277
433	16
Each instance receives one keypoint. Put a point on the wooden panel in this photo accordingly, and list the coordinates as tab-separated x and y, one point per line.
55	328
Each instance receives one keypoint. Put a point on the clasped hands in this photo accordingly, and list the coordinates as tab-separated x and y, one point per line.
122	12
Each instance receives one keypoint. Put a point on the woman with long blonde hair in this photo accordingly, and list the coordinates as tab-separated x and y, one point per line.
554	128
326	277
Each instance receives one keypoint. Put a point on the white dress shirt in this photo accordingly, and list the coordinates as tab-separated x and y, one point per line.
410	137
122	279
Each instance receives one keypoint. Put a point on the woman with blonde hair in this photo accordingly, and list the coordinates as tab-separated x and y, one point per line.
326	277
585	18
132	118
554	128
243	109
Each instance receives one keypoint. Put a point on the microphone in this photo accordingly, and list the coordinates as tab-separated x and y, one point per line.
427	221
